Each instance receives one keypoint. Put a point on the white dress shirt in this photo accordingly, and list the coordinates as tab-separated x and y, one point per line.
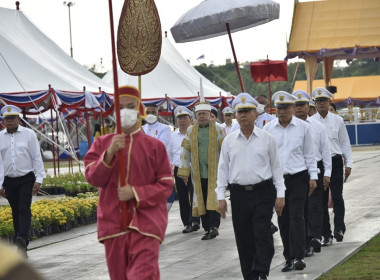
174	148
21	153
321	144
338	137
1	173
158	130
249	161
228	129
295	145
263	119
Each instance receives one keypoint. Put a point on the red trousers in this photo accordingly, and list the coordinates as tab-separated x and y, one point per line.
132	256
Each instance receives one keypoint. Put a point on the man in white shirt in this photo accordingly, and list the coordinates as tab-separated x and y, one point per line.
154	128
23	172
263	118
314	205
250	167
296	149
185	192
339	146
228	115
160	131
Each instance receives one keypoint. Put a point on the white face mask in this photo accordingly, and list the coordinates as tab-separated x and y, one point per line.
151	118
260	109
128	117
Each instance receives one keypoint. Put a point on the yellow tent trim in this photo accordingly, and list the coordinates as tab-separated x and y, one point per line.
363	88
335	24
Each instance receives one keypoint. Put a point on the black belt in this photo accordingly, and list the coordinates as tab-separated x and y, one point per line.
250	187
287	176
21	177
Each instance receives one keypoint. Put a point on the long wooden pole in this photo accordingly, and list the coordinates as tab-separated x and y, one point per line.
236	61
125	217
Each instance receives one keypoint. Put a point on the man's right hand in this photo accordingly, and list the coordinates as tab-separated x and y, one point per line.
2	193
185	180
279	205
223	208
117	144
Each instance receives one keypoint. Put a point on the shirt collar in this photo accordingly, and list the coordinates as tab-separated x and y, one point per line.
256	131
292	122
19	129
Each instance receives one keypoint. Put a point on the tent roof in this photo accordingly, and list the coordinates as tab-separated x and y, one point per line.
336	28
30	61
361	88
173	76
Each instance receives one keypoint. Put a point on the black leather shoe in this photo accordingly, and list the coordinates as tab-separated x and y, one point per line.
299	264
214	233
309	252
21	245
338	235
196	226
188	229
316	244
263	277
273	228
327	241
206	236
288	266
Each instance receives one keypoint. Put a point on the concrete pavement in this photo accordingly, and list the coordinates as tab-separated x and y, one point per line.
77	254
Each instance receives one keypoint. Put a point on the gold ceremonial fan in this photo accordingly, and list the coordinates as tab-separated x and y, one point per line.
139	37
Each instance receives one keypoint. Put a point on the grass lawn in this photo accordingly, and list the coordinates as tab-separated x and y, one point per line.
364	265
62	163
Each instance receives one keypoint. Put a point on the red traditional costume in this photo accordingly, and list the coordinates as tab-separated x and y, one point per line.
132	252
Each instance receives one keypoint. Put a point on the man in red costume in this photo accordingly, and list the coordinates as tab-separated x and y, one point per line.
131	252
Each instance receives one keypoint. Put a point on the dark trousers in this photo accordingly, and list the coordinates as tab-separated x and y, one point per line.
251	219
19	194
315	208
211	219
185	197
336	186
292	222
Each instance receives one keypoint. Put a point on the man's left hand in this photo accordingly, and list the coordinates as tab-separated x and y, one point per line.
2	193
125	193
347	173
313	186
36	188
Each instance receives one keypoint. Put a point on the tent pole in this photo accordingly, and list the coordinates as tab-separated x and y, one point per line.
234	54
76	128
88	128
57	140
52	137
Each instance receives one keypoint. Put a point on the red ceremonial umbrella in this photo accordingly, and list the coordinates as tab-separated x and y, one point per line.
269	70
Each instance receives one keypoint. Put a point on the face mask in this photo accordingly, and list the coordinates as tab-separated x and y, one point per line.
260	109
128	117
151	118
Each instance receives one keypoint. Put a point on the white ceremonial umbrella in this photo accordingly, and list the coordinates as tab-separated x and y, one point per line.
213	18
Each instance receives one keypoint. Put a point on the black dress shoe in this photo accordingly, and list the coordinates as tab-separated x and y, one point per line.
327	241
196	226
316	244
188	229
214	233
263	277
338	235
273	228
21	245
288	266
206	236
309	252
299	264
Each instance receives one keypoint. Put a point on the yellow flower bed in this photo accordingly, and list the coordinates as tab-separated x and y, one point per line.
58	211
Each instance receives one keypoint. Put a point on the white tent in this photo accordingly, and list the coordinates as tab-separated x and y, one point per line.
30	61
173	76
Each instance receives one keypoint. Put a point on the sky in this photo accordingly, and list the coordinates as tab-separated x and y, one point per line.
91	40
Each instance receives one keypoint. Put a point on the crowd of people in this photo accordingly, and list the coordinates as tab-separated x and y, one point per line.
288	165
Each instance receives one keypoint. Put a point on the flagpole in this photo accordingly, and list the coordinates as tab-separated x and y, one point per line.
125	218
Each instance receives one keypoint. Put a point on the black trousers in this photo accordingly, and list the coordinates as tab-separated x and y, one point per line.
292	221
19	194
212	218
185	198
251	218
315	209
336	186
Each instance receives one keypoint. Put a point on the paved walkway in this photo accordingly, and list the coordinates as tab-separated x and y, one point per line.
77	254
